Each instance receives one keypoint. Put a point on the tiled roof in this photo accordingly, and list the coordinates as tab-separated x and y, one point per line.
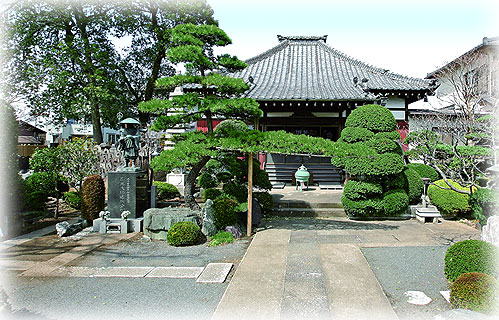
300	68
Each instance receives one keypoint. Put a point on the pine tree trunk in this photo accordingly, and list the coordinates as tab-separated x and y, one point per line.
190	183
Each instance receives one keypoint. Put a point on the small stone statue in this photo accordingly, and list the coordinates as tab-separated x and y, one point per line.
129	140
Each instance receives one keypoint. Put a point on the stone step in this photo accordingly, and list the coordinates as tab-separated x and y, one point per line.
306	205
309	212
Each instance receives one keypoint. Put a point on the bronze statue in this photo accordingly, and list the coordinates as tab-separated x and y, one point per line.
129	140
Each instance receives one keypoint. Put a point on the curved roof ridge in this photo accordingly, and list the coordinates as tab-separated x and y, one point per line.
268	53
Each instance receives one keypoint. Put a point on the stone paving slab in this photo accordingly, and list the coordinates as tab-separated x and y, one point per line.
128	272
215	273
175	272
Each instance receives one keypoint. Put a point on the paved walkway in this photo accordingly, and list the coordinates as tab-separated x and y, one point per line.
314	268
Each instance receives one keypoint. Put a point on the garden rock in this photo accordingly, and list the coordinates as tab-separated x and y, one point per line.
157	221
256	216
490	231
65	228
236	232
208	228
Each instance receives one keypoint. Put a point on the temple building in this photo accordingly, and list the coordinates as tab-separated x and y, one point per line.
305	86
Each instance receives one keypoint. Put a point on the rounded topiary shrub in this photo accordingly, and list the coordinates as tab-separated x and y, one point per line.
265	200
378	165
362	190
471	256
92	197
355	134
384	145
184	233
373	117
362	208
224	212
484	202
415	185
226	126
475	291
211	193
236	190
392	135
166	190
449	202
395	202
395	181
425	171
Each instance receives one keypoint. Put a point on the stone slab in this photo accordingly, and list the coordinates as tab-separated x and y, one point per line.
127	272
127	192
175	272
215	273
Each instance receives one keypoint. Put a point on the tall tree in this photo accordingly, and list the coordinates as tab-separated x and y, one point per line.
90	59
213	94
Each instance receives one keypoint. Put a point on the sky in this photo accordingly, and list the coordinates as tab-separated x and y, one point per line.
409	37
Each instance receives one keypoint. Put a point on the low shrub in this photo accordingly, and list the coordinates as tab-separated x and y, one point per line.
471	256
221	237
449	202
373	117
73	199
207	180
183	233
224	213
92	197
484	202
211	193
265	200
394	202
415	185
362	208
475	291
425	171
166	190
45	182
362	190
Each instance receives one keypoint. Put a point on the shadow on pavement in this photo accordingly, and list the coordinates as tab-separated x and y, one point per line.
323	224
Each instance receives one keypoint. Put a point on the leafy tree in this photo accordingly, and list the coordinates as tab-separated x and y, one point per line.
215	95
80	159
71	59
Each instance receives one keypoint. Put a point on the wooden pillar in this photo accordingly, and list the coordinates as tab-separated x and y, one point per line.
250	192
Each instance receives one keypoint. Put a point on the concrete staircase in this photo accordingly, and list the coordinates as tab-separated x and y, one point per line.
293	208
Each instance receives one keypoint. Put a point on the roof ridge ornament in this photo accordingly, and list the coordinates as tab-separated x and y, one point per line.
301	38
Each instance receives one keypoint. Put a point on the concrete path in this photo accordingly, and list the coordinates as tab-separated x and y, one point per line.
314	268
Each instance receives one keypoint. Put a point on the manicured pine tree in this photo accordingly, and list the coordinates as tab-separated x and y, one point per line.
209	93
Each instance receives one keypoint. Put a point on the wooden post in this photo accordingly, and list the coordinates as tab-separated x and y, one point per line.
250	192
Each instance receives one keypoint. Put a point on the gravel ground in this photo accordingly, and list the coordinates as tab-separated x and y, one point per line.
401	269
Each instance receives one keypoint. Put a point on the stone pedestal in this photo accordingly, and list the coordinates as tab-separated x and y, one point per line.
115	225
127	191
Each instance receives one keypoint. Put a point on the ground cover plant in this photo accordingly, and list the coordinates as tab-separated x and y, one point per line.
221	237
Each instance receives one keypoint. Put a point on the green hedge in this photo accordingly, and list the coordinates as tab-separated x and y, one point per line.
415	185
450	203
183	233
378	165
362	190
166	190
484	202
394	203
471	256
362	208
425	171
373	117
475	291
384	145
355	134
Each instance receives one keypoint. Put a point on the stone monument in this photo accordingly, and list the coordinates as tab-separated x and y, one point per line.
127	186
